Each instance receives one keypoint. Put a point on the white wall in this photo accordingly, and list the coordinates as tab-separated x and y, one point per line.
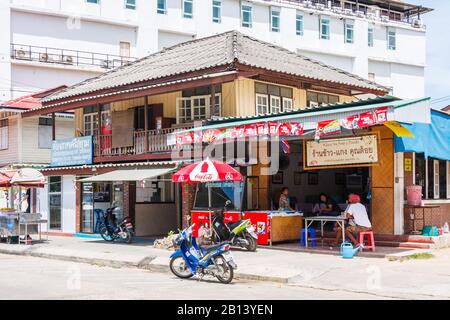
68	213
30	151
5	66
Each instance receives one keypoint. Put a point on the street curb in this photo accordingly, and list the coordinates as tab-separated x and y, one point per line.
147	263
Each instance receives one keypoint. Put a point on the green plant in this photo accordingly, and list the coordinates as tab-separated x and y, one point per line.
420	256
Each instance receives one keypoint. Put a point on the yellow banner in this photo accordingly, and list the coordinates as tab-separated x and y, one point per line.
398	129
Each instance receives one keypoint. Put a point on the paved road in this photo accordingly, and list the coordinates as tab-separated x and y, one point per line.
24	277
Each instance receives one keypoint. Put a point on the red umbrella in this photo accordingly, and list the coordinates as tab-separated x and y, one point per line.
207	171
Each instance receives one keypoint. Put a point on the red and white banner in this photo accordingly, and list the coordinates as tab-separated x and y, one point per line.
285	129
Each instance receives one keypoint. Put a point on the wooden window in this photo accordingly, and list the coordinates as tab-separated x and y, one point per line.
124	49
262	103
45	134
275	104
197	108
4	134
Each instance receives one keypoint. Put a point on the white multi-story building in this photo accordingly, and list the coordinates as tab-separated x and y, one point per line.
46	43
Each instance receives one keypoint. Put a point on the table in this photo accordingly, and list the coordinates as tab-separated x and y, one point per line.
413	216
324	219
30	223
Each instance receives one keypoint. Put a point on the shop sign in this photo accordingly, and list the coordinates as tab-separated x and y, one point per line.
74	151
341	152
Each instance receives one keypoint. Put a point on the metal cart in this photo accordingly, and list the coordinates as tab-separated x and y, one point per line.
13	224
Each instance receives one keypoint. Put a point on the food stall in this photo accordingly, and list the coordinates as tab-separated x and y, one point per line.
217	182
13	222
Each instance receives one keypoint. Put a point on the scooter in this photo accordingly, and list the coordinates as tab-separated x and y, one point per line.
111	230
239	233
190	259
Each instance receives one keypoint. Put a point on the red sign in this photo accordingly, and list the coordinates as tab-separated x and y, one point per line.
366	119
249	130
284	129
261	129
204	218
261	222
296	128
381	115
272	128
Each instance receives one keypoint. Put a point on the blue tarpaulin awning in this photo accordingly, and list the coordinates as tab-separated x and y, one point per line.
431	139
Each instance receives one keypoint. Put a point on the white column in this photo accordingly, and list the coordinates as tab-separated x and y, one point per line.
399	186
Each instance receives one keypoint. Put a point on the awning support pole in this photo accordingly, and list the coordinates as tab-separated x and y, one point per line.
53	127
146	124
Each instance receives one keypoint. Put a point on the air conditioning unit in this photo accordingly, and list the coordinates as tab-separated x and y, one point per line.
371	15
105	64
360	13
320	6
348	12
43	57
22	54
417	23
308	4
67	59
337	10
384	18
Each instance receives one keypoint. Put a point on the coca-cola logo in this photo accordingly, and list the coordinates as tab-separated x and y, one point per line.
181	179
203	176
229	176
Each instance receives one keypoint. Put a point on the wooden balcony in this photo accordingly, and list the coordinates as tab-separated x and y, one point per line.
157	144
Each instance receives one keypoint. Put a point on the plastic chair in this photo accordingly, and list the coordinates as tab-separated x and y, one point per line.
370	239
98	219
311	237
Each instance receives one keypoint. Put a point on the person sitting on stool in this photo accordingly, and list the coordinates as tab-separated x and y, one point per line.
358	220
283	203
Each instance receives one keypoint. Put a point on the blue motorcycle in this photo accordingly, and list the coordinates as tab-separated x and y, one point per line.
190	259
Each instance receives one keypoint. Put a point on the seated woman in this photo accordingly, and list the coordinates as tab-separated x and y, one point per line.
283	202
327	207
358	220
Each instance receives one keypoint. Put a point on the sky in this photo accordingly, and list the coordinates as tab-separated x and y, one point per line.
437	71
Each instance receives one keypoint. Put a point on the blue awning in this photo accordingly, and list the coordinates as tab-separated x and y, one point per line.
431	139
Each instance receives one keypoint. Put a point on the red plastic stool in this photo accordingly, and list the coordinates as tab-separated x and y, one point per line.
370	240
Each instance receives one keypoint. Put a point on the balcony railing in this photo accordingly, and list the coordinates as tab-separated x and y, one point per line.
354	9
157	143
67	57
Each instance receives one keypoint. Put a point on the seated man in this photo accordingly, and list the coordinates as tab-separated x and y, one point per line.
358	219
283	203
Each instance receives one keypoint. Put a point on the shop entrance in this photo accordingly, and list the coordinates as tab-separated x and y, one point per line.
96	197
306	186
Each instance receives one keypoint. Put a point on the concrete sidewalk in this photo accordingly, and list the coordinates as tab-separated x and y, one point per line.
377	276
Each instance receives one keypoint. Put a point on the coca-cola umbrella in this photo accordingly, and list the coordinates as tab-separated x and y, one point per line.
207	171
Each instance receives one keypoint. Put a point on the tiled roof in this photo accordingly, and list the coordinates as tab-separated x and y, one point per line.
223	50
30	101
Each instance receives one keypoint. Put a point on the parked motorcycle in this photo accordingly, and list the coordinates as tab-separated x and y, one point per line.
190	259
239	233
111	229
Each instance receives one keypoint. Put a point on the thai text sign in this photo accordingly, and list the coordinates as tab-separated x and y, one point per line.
348	151
74	151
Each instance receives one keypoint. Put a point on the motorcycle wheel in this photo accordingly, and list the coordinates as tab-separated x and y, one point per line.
179	268
105	234
129	236
252	244
228	274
